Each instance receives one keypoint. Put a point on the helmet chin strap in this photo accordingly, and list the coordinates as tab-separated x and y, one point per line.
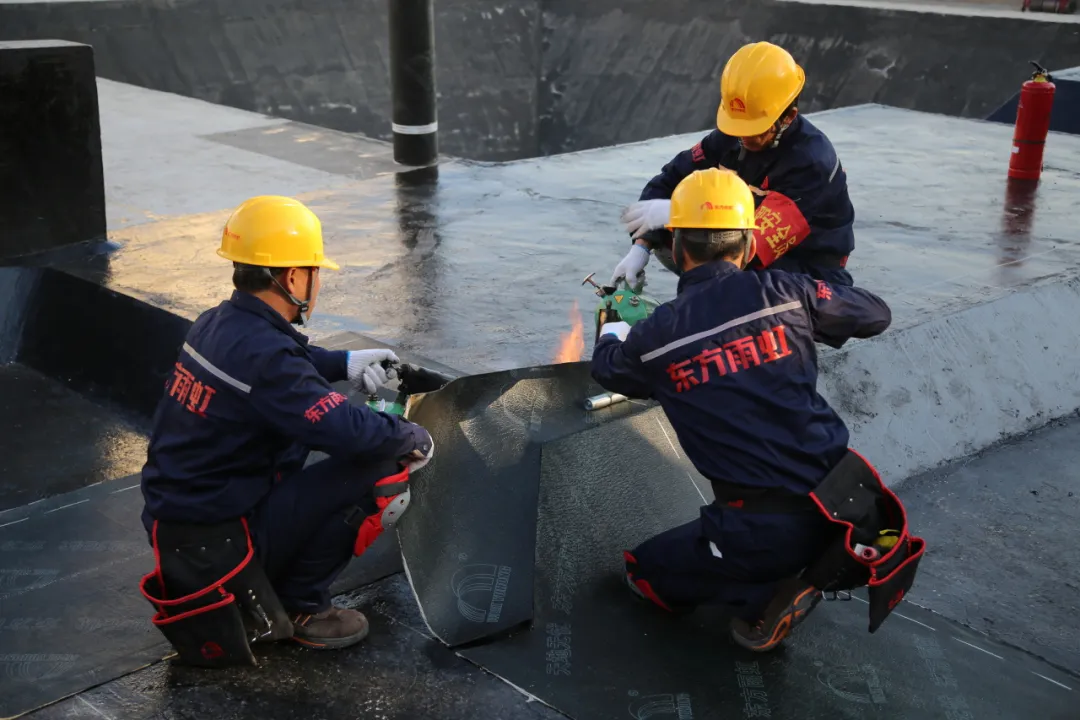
677	252
779	134
749	248
303	305
780	129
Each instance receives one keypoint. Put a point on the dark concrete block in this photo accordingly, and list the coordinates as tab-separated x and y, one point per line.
50	147
91	338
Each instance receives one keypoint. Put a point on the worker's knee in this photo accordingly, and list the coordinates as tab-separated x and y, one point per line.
640	585
391	497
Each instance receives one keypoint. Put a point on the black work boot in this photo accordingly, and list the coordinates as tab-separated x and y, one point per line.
794	600
331	629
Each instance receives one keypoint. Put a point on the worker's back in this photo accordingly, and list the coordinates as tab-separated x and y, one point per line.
210	456
733	362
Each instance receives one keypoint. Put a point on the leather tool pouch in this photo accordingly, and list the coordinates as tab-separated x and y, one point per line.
872	518
211	595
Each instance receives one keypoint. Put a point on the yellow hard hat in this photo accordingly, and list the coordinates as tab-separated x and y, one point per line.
274	231
759	83
713	199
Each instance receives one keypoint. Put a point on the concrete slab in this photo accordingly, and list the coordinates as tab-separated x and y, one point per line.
56	498
399	673
1002	554
551	602
167	155
479	265
981	280
56	440
937	227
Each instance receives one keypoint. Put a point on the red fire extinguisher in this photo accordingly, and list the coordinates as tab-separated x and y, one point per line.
1032	125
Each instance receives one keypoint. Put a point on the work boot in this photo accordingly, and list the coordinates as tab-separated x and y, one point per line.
794	600
331	629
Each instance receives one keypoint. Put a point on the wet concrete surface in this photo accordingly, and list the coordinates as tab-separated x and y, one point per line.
418	254
480	265
56	440
1003	556
398	673
972	515
60	540
524	78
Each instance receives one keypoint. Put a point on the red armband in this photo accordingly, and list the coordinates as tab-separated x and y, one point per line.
780	227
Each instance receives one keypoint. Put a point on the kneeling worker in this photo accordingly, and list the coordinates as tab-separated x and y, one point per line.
804	215
248	399
732	362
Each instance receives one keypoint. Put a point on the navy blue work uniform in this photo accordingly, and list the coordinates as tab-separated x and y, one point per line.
804	214
732	362
246	402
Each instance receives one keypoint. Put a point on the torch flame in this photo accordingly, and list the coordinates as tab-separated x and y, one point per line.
572	344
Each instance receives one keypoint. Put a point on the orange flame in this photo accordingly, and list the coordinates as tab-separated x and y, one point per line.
572	344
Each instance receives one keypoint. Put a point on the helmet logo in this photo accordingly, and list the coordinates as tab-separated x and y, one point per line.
737	105
231	234
710	206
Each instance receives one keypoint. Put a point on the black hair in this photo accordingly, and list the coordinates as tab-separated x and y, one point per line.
707	245
255	278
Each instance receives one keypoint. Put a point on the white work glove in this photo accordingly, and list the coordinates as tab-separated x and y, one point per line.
618	329
366	371
646	215
631	267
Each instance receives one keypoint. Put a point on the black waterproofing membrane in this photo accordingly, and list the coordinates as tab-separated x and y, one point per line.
71	615
513	548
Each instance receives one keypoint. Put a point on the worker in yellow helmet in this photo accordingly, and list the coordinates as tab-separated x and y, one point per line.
804	215
247	400
732	362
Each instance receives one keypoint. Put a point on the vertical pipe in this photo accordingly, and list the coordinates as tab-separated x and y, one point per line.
412	82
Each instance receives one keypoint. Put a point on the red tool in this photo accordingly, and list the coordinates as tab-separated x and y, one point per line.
1050	6
1032	125
866	552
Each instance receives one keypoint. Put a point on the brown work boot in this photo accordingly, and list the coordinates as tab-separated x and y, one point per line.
331	629
794	600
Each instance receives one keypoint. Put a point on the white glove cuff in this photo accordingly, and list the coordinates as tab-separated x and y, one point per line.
618	329
355	365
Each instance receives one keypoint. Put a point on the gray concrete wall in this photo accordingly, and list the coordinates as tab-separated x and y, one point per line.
618	71
518	78
323	62
959	383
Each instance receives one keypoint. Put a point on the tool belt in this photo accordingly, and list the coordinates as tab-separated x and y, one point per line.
211	595
760	500
874	546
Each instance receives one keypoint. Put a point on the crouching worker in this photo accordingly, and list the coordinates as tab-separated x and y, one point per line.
247	540
732	362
